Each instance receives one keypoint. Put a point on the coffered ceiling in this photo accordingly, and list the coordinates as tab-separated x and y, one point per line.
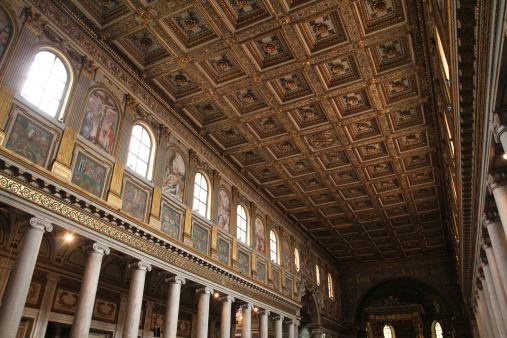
324	105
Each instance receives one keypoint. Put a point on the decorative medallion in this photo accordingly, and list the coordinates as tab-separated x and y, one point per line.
323	31
190	28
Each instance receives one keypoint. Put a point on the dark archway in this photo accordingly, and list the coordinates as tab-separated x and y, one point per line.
310	314
406	291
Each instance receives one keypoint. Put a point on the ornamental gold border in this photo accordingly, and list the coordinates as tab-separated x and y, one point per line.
67	210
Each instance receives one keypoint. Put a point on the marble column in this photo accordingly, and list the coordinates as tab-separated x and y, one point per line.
135	301
493	307
278	321
498	186
290	328
118	333
147	318
172	306
263	323
41	321
499	131
88	290
495	301
20	278
296	328
496	232
225	321
246	323
496	278
203	312
481	320
489	321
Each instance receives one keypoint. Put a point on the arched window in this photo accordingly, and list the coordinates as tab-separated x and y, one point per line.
47	83
296	259
317	274
330	286
241	224
273	246
437	330
141	151
201	194
388	331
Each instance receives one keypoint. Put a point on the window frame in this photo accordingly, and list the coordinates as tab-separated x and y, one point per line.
297	261
434	330
65	97
330	286
208	195
391	330
317	274
272	233
151	158
246	224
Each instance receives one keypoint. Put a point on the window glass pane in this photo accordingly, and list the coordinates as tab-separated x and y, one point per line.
387	332
59	71
32	92
134	146
45	59
142	167
145	138
203	196
38	75
439	333
55	87
137	131
49	104
144	153
131	161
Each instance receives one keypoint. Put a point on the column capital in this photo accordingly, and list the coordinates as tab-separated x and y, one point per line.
229	299
490	217
264	312
140	265
206	289
496	180
498	127
296	322
486	243
98	248
40	224
278	317
247	306
176	280
483	261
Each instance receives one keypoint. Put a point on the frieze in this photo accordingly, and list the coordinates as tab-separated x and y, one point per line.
33	190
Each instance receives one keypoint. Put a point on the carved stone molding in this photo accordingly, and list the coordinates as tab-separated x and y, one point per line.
194	158
98	248
264	312
277	317
141	265
34	21
176	280
247	306
490	217
497	180
229	299
40	224
205	289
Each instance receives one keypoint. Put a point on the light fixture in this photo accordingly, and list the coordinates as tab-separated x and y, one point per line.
69	238
256	309
505	156
216	295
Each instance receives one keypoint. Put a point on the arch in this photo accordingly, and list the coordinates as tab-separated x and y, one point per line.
100	120
7	31
388	331
175	174
274	252
76	258
260	236
142	149
45	248
310	312
407	290
224	210
112	270
48	81
242	224
202	194
436	330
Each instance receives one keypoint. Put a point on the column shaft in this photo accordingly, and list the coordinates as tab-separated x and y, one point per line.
278	326
172	306
290	328
246	323
500	194
492	307
203	312
86	301
18	285
225	321
489	321
499	244
135	301
263	323
118	333
484	328
497	281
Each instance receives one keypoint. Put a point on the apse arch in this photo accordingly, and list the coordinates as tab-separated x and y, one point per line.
405	291
310	312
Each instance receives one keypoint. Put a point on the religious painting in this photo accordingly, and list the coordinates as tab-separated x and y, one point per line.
170	222
34	294
105	310
224	210
174	174
100	120
200	238
134	200
288	286
307	267
223	251
275	277
244	263
286	254
261	271
5	31
260	236
65	301
88	174
29	140
184	328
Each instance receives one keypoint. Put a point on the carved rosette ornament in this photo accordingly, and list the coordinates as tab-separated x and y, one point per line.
176	280
223	65
379	6
390	50
180	80
321	28
247	98
145	43
270	48
338	69
352	100
242	3
190	24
